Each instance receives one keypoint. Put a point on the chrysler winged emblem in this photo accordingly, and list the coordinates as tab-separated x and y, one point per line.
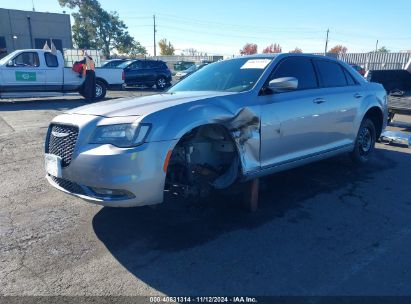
59	134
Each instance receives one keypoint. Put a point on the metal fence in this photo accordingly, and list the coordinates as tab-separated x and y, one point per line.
197	59
378	61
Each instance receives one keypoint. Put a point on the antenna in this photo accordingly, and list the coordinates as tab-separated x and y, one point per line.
32	2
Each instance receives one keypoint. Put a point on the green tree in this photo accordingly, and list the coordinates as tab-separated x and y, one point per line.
166	48
96	28
383	49
137	50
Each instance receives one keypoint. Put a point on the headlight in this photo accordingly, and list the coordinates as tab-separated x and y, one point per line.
121	135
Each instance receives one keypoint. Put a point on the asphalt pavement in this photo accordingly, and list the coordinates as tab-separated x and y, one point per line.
328	228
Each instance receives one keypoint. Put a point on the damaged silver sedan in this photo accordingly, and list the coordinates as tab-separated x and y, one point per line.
232	121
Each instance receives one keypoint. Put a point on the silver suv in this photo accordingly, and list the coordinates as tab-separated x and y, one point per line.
230	122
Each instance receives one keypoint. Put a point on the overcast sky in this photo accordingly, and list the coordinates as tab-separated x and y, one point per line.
224	26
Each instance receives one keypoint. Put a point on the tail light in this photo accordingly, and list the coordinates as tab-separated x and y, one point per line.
123	76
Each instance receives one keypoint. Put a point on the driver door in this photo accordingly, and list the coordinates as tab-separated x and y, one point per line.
25	74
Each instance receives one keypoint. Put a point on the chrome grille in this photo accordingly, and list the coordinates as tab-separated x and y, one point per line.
68	185
61	141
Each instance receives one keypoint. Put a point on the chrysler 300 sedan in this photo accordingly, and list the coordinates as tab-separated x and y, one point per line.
231	122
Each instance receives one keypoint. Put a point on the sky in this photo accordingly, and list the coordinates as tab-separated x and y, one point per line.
222	27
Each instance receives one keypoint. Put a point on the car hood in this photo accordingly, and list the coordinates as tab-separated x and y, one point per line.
141	106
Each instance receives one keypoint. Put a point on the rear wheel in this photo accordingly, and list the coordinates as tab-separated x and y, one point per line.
161	83
365	142
101	90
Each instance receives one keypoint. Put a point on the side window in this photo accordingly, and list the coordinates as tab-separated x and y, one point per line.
137	65
147	64
350	79
300	68
27	59
51	60
331	74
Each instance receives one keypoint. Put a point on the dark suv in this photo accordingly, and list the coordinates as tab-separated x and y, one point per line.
146	73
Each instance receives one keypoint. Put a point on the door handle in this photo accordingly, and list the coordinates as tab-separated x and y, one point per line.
357	95
318	100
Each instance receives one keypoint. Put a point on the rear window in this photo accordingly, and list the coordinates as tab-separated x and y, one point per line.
300	68
331	74
51	60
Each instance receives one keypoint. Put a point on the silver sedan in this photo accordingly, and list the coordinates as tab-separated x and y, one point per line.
230	122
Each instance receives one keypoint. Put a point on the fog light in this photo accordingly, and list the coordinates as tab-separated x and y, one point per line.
112	193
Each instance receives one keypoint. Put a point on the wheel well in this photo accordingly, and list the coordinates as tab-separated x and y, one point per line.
376	115
103	81
205	157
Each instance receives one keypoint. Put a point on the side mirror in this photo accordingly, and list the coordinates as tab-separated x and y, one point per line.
283	84
10	63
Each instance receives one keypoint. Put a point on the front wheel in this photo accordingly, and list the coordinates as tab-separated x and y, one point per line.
161	83
365	142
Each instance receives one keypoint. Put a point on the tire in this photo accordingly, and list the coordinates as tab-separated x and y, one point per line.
161	83
101	90
365	142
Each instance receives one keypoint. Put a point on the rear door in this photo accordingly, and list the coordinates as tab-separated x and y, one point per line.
342	95
26	74
54	75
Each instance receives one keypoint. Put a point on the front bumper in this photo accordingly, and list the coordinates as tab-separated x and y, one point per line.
136	172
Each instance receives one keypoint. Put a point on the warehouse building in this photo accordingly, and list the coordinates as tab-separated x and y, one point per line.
28	29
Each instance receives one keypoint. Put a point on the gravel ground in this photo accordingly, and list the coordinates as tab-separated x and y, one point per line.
328	228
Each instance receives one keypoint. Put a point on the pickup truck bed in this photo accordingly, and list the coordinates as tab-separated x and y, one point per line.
400	104
397	83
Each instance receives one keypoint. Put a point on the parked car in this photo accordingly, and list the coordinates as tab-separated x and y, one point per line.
232	121
189	71
183	65
39	73
112	63
146	73
359	69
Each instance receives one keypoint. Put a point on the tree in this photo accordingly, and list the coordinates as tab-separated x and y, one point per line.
137	50
249	49
166	48
338	49
296	50
273	48
95	28
383	49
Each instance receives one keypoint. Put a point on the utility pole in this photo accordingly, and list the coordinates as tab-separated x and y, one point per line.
155	31
376	46
326	42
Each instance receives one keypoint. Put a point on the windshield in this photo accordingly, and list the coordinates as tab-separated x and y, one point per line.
234	75
6	59
124	64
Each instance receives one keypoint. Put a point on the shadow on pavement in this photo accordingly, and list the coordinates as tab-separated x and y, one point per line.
149	242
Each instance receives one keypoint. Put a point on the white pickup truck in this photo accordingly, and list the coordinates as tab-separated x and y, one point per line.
39	73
